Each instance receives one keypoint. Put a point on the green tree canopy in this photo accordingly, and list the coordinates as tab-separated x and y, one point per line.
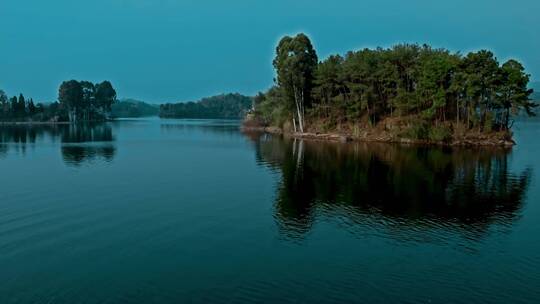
295	63
411	83
105	95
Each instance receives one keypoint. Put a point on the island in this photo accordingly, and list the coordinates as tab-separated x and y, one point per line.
407	93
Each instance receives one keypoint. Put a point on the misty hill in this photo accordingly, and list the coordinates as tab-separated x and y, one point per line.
134	108
221	106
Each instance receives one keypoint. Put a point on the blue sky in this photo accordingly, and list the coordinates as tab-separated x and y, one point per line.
173	50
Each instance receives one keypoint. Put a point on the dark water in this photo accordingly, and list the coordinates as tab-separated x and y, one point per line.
176	211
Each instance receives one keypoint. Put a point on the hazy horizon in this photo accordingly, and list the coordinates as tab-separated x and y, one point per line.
173	51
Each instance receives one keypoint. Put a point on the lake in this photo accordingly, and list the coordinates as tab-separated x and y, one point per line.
176	211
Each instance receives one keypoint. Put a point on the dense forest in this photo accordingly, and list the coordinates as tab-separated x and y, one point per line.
87	101
77	101
228	106
133	108
409	90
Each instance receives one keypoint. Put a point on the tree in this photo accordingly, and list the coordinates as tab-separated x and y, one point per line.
295	63
3	97
257	100
513	92
482	77
105	95
20	110
31	107
4	105
327	81
13	105
435	71
70	95
88	98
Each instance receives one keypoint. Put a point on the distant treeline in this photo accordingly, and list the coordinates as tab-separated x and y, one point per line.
227	106
77	101
20	108
133	108
440	90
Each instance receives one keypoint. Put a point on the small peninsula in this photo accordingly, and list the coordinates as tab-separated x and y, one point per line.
407	93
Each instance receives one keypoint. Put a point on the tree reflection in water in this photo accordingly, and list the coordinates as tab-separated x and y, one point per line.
392	187
79	143
86	143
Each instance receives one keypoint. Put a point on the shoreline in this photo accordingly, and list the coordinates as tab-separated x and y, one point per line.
343	138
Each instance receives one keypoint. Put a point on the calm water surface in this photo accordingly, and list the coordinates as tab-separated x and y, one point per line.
176	211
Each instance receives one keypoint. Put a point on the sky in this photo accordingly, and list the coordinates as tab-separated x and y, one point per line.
180	50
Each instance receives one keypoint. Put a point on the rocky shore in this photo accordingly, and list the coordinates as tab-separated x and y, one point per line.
489	140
